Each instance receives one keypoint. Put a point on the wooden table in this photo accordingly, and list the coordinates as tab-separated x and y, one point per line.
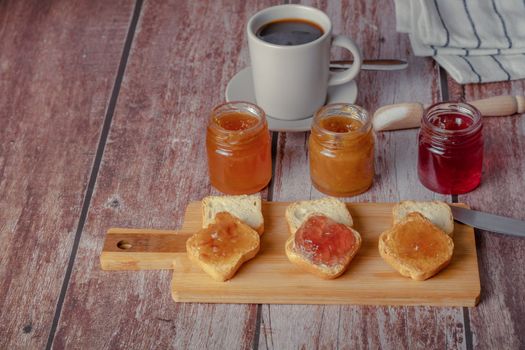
103	106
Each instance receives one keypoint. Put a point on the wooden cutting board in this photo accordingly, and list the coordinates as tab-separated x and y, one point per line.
270	278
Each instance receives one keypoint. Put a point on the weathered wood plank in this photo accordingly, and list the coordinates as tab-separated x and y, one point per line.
372	26
58	61
183	55
499	320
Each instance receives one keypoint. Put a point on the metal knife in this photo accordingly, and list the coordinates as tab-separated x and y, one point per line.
489	222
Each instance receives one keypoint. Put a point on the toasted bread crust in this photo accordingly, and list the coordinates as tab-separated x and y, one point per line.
222	271
239	206
437	212
424	268
328	206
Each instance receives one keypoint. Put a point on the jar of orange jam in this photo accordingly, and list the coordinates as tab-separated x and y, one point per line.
239	148
341	148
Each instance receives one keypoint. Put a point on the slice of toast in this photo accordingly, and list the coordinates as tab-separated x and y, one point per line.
323	246
298	212
221	248
416	248
245	207
437	212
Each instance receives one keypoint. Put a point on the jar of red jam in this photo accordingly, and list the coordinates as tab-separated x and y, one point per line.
239	148
450	148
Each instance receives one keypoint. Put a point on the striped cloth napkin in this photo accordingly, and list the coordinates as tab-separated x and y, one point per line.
476	41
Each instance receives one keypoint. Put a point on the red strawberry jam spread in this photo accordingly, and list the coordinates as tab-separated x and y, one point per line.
324	241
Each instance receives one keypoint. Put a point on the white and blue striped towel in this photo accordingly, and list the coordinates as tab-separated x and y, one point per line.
476	41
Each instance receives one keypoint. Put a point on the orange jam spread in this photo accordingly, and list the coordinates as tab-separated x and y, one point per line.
340	124
222	240
236	121
419	240
341	156
239	153
324	241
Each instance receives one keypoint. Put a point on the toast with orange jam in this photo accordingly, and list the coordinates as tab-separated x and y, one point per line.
415	247
222	247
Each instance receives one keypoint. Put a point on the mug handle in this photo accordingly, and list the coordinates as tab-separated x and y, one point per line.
349	74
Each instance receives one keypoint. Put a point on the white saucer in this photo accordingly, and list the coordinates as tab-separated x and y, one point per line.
240	88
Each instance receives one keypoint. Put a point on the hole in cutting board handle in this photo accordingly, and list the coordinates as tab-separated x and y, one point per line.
124	245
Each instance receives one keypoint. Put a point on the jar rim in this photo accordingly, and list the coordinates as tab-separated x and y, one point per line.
241	107
461	108
358	110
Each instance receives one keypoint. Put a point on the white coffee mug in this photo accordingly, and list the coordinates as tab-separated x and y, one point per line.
291	82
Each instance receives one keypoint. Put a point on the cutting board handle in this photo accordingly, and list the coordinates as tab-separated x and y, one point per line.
142	249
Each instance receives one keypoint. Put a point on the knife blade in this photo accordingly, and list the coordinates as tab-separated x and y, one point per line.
489	222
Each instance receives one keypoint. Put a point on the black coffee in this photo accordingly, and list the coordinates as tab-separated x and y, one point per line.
289	32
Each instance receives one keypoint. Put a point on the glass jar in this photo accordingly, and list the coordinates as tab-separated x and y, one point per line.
239	148
341	150
450	152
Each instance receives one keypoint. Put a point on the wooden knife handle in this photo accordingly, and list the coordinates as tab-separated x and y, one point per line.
500	105
408	115
141	249
398	116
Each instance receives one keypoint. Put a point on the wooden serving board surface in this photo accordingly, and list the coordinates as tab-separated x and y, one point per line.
270	278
